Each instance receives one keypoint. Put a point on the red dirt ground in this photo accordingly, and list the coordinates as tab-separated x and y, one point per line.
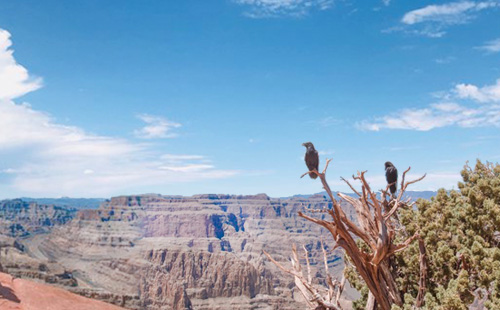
19	294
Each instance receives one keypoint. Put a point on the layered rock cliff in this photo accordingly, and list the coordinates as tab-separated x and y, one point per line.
199	252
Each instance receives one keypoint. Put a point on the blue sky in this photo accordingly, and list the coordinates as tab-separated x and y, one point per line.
101	98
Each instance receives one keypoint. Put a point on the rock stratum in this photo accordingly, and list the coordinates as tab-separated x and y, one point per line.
173	252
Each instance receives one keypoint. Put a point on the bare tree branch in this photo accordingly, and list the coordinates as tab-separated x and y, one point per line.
311	293
423	274
377	226
309	276
352	188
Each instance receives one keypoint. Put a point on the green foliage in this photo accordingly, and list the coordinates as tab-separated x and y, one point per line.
460	231
357	282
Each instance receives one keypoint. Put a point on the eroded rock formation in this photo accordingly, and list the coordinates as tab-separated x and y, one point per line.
198	252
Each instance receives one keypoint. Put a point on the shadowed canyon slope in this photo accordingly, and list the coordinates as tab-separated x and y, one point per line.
173	252
19	218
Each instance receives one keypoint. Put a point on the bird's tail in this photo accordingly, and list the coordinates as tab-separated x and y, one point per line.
313	175
393	189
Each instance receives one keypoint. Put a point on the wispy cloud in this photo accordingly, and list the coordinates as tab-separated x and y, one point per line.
277	8
179	158
53	159
433	20
326	152
328	121
485	94
156	127
473	107
427	31
445	60
491	46
449	13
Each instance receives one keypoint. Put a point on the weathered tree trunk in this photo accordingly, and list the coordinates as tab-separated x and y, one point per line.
376	229
371	304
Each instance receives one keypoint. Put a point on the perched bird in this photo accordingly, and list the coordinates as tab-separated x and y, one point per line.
391	175
311	158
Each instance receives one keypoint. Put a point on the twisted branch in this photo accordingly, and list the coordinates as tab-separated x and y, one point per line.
376	226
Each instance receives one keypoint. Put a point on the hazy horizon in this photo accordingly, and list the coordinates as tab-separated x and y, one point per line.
167	195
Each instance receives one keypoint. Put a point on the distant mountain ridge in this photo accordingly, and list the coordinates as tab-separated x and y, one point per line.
413	194
74	203
94	203
19	218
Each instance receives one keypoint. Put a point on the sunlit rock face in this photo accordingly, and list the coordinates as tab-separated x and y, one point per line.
198	252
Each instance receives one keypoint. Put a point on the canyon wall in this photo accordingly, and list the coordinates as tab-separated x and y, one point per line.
198	252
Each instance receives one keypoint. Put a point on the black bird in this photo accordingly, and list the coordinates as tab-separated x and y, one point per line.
311	158
391	175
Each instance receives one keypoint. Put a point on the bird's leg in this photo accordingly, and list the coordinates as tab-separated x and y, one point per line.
309	172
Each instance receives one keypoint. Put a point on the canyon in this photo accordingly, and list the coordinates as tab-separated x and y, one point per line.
171	252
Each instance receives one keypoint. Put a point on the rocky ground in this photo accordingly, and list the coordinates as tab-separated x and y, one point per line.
19	294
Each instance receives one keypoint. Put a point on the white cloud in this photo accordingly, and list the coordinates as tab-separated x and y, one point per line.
43	157
449	13
157	127
491	46
484	94
437	17
14	78
444	114
425	119
275	8
386	2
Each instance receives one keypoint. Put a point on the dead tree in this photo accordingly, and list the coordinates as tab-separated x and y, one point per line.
376	227
313	295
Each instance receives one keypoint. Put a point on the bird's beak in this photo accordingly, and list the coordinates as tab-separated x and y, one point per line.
303	144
